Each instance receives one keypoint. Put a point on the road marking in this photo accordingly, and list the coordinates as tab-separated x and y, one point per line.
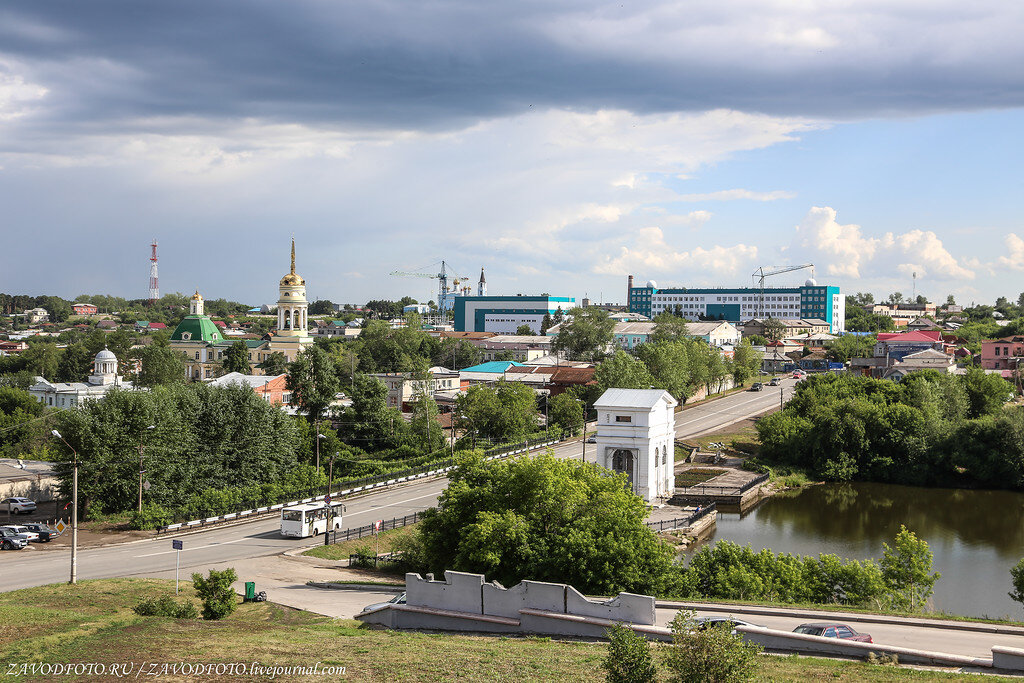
198	547
391	505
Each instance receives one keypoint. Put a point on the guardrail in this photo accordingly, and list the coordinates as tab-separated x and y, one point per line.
382	481
342	535
683	522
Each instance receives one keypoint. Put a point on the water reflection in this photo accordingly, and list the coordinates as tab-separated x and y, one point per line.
976	536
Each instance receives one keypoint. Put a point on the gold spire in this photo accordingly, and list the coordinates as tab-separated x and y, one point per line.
293	254
292	279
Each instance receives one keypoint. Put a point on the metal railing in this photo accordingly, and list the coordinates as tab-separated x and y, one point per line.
712	490
342	535
683	522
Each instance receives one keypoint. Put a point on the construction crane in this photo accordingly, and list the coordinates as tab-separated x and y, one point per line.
767	271
442	283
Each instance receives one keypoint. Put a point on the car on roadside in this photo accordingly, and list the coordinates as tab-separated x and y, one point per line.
775	381
757	386
828	629
12	541
17	506
397	600
731	622
21	529
46	533
592	439
799	374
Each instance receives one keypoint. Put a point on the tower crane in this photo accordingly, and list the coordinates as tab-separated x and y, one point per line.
767	271
442	283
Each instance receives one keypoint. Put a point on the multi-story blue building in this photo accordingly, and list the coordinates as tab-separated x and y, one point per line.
504	314
740	304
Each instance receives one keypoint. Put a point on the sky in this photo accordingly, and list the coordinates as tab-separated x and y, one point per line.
559	145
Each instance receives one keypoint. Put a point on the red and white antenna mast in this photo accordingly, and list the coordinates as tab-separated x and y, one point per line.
154	278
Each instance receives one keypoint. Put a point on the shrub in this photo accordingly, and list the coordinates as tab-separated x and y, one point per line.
166	607
714	655
629	657
218	596
151	517
1017	577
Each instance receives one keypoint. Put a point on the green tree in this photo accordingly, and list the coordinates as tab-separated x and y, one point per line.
369	423
160	364
712	655
629	657
544	519
565	412
313	381
669	363
505	412
546	323
622	371
746	362
986	392
274	364
424	428
895	298
75	364
774	329
585	335
907	570
525	330
42	358
668	328
1017	577
849	346
236	358
215	590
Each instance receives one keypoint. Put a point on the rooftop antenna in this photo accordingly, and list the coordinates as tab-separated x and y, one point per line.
914	290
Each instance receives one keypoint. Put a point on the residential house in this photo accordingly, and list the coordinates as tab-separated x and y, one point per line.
272	389
1002	354
84	309
929	359
403	389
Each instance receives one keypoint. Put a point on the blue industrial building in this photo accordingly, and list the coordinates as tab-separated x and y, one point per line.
504	314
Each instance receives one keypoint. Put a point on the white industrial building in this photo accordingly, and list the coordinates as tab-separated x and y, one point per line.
71	394
636	435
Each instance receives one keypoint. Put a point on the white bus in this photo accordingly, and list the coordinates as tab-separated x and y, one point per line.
310	519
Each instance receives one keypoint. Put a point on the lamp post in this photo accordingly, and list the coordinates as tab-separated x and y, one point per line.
318	437
330	507
142	446
74	510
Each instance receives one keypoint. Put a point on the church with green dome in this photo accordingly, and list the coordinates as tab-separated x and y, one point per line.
203	343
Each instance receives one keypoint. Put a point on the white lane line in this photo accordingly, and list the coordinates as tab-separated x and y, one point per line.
391	505
197	547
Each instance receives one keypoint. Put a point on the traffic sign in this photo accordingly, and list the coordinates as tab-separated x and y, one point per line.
376	525
60	526
177	544
327	499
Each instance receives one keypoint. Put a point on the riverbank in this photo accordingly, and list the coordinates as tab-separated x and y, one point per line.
92	623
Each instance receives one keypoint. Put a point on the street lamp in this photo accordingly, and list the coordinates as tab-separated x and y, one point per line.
74	510
318	437
142	446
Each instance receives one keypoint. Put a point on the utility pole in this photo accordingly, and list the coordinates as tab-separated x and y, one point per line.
330	507
74	511
142	446
318	437
584	436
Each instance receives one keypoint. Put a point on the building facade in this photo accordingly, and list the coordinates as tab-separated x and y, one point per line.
1002	354
636	436
71	394
743	303
504	314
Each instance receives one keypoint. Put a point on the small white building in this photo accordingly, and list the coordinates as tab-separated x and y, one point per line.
72	394
636	434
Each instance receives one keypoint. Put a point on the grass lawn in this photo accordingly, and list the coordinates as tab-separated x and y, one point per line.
93	623
366	545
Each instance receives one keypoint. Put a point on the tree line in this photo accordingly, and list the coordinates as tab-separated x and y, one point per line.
931	428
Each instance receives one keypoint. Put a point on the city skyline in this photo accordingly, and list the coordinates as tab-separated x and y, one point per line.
562	147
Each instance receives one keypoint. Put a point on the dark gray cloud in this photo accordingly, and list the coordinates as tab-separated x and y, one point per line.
438	65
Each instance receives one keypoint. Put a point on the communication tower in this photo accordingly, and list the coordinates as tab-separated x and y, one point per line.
154	278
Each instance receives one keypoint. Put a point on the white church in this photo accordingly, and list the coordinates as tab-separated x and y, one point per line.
636	435
71	394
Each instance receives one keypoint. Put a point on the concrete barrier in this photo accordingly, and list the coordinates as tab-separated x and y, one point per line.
1008	658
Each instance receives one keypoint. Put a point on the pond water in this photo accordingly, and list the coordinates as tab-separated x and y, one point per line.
976	536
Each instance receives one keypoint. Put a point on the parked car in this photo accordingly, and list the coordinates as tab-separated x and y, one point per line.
831	630
798	374
775	382
12	541
397	600
16	506
757	386
592	439
19	529
46	533
704	623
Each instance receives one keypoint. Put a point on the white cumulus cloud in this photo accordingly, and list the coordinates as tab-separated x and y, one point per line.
1014	256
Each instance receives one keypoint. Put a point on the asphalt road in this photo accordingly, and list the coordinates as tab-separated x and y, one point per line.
35	567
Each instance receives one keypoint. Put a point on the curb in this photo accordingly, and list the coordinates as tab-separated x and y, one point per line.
396	588
996	629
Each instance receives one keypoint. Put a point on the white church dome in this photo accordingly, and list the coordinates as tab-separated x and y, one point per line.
105	355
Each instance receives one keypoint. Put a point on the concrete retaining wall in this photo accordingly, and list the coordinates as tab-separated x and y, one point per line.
1007	658
38	488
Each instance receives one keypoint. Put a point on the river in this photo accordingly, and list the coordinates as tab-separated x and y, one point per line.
976	536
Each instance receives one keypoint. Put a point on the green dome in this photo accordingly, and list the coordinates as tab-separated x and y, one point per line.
197	328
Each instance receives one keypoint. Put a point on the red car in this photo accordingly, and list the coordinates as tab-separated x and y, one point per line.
830	630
